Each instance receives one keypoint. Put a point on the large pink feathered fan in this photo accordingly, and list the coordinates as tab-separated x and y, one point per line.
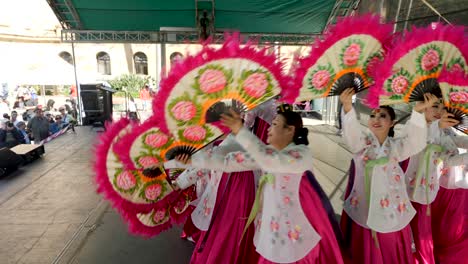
202	87
343	59
454	87
412	66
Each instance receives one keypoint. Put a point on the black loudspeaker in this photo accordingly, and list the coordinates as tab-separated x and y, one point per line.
97	103
9	161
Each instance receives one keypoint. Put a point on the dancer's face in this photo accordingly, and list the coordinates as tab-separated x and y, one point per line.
435	112
380	122
279	133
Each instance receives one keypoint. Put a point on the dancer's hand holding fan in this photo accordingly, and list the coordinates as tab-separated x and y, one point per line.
454	87
410	69
343	59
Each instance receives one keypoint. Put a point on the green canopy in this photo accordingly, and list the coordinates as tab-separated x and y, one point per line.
260	16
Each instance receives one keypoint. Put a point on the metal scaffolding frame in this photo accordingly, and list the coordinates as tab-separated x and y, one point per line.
177	37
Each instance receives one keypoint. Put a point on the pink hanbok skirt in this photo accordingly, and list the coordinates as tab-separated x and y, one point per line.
449	213
422	235
222	242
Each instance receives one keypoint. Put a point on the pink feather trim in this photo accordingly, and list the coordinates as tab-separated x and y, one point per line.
458	78
414	38
230	49
367	24
123	146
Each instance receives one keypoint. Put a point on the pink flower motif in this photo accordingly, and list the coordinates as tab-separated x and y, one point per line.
156	140
459	97
255	85
239	157
423	181
456	68
199	173
444	171
207	211
152	192
274	226
148	161
295	154
351	54
286	200
402	207
354	201
184	110
384	203
397	178
195	133
431	186
126	180
412	182
430	60
400	84
320	79
286	178
212	81
159	215
294	234
269	151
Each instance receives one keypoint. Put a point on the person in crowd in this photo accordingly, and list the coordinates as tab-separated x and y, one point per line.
145	97
49	117
50	106
57	125
22	129
15	119
39	126
10	136
378	204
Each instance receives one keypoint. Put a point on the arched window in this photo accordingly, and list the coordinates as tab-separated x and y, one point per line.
103	63
66	56
141	63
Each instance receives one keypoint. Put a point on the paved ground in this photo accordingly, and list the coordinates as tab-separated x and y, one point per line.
50	213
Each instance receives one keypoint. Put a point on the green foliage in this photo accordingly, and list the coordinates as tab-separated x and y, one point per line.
131	83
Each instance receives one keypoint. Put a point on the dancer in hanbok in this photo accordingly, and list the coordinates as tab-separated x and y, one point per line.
227	201
449	211
422	181
378	203
291	224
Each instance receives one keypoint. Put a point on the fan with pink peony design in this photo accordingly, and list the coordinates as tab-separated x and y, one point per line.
454	86
204	86
343	59
139	189
412	66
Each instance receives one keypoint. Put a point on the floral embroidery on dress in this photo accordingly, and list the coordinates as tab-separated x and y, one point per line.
385	202
354	201
274	226
269	151
239	157
295	154
294	234
402	207
397	178
286	200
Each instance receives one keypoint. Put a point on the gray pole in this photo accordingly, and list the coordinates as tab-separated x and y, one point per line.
78	90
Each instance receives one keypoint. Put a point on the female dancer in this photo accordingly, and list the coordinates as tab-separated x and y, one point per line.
449	211
225	206
422	179
378	203
291	224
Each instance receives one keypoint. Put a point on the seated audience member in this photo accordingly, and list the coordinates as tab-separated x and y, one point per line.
10	136
57	125
22	129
